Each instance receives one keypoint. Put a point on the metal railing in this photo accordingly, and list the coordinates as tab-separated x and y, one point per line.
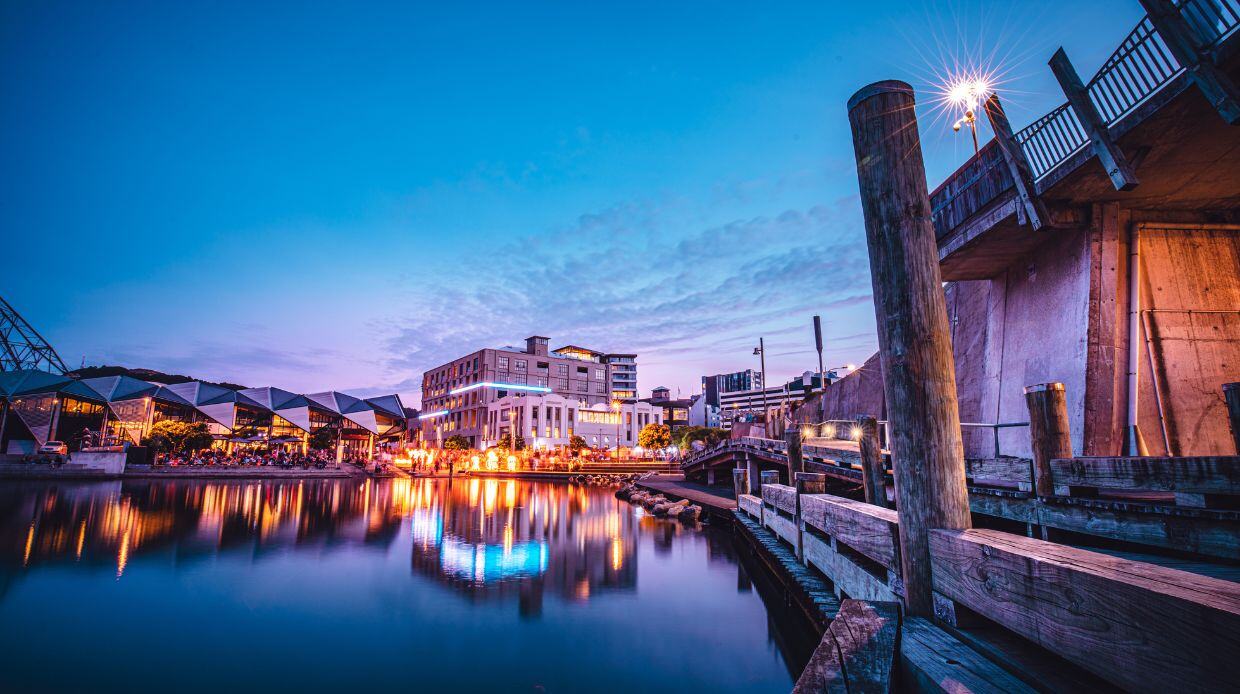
1137	70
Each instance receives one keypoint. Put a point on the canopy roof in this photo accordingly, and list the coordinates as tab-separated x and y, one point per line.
34	382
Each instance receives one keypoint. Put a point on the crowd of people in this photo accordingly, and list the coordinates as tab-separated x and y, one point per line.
249	458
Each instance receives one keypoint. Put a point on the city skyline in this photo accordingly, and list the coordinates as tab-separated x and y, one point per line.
315	201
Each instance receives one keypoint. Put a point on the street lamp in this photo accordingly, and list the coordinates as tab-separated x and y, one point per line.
760	352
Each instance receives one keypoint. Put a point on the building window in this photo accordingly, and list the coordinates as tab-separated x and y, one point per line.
600	387
519	365
540	381
561	383
600	374
561	370
503	363
583	386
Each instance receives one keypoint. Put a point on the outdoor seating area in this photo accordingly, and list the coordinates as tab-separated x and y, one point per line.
219	458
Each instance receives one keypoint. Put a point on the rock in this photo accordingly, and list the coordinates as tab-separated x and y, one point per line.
660	509
690	514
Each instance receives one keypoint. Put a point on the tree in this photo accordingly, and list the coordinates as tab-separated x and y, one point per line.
576	444
456	442
323	439
707	435
506	441
655	436
170	436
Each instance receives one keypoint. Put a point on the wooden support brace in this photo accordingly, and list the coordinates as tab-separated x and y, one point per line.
1109	154
873	477
1195	58
1018	165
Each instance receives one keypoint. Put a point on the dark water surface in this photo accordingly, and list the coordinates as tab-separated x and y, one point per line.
423	585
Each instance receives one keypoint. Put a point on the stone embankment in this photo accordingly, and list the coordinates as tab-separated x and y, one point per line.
660	506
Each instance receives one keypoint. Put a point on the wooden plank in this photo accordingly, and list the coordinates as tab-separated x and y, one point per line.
1209	534
866	528
750	504
1216	474
932	660
1140	626
781	496
857	652
1006	470
848	578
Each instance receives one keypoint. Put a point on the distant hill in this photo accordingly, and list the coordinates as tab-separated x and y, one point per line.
144	374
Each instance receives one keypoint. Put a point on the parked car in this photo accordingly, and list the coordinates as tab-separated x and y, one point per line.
53	448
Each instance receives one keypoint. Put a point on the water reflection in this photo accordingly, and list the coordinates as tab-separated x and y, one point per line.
486	541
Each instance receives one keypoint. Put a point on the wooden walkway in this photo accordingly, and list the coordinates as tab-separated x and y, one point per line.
713	500
815	596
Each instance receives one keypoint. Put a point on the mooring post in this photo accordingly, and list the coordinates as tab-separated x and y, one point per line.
1231	394
913	332
806	483
796	461
1049	435
873	476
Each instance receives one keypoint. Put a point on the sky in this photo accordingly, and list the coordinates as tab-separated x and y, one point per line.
342	195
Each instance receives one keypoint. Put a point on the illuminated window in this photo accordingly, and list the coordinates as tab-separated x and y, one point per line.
503	363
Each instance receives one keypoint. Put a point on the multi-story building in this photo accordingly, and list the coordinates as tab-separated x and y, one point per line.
549	420
744	403
714	386
455	395
702	413
675	412
623	375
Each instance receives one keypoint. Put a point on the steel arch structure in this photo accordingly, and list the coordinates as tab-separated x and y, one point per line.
22	347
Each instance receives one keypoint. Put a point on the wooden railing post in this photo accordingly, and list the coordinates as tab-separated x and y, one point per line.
806	483
1231	394
914	336
873	476
1049	435
740	481
796	461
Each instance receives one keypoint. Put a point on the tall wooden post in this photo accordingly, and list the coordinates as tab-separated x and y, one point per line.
1231	394
796	461
1017	164
873	477
1048	431
913	333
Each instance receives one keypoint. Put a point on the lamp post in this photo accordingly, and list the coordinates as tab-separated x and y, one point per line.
760	352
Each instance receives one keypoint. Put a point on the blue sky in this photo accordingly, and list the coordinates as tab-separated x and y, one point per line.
340	195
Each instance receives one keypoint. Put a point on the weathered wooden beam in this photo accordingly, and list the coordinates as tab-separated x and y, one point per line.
1194	475
872	531
1048	432
873	476
792	442
1195	57
932	660
1006	470
857	653
1109	154
1231	394
1140	626
1017	164
913	331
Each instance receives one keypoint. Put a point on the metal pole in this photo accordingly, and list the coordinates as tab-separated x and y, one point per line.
762	360
822	376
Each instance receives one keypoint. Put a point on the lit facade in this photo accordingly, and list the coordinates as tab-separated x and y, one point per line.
456	395
549	420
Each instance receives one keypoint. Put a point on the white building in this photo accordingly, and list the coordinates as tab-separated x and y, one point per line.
703	414
549	420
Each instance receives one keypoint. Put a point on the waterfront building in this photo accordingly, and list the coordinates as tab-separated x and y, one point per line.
548	420
37	407
702	413
714	386
456	395
675	410
746	405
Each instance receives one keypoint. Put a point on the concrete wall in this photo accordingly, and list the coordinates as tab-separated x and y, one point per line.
111	462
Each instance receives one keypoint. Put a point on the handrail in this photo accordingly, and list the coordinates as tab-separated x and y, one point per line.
1140	66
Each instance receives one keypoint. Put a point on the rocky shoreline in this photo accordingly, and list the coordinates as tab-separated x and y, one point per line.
660	506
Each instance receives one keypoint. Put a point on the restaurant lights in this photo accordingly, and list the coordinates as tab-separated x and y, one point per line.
501	386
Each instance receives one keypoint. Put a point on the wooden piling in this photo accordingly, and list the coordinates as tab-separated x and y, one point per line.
796	462
1231	394
873	476
913	331
1049	435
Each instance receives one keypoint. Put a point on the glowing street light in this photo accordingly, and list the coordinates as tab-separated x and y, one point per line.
967	92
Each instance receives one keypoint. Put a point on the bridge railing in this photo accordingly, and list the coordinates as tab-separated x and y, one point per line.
1138	69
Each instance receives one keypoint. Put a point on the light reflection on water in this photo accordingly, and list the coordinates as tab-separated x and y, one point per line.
294	583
